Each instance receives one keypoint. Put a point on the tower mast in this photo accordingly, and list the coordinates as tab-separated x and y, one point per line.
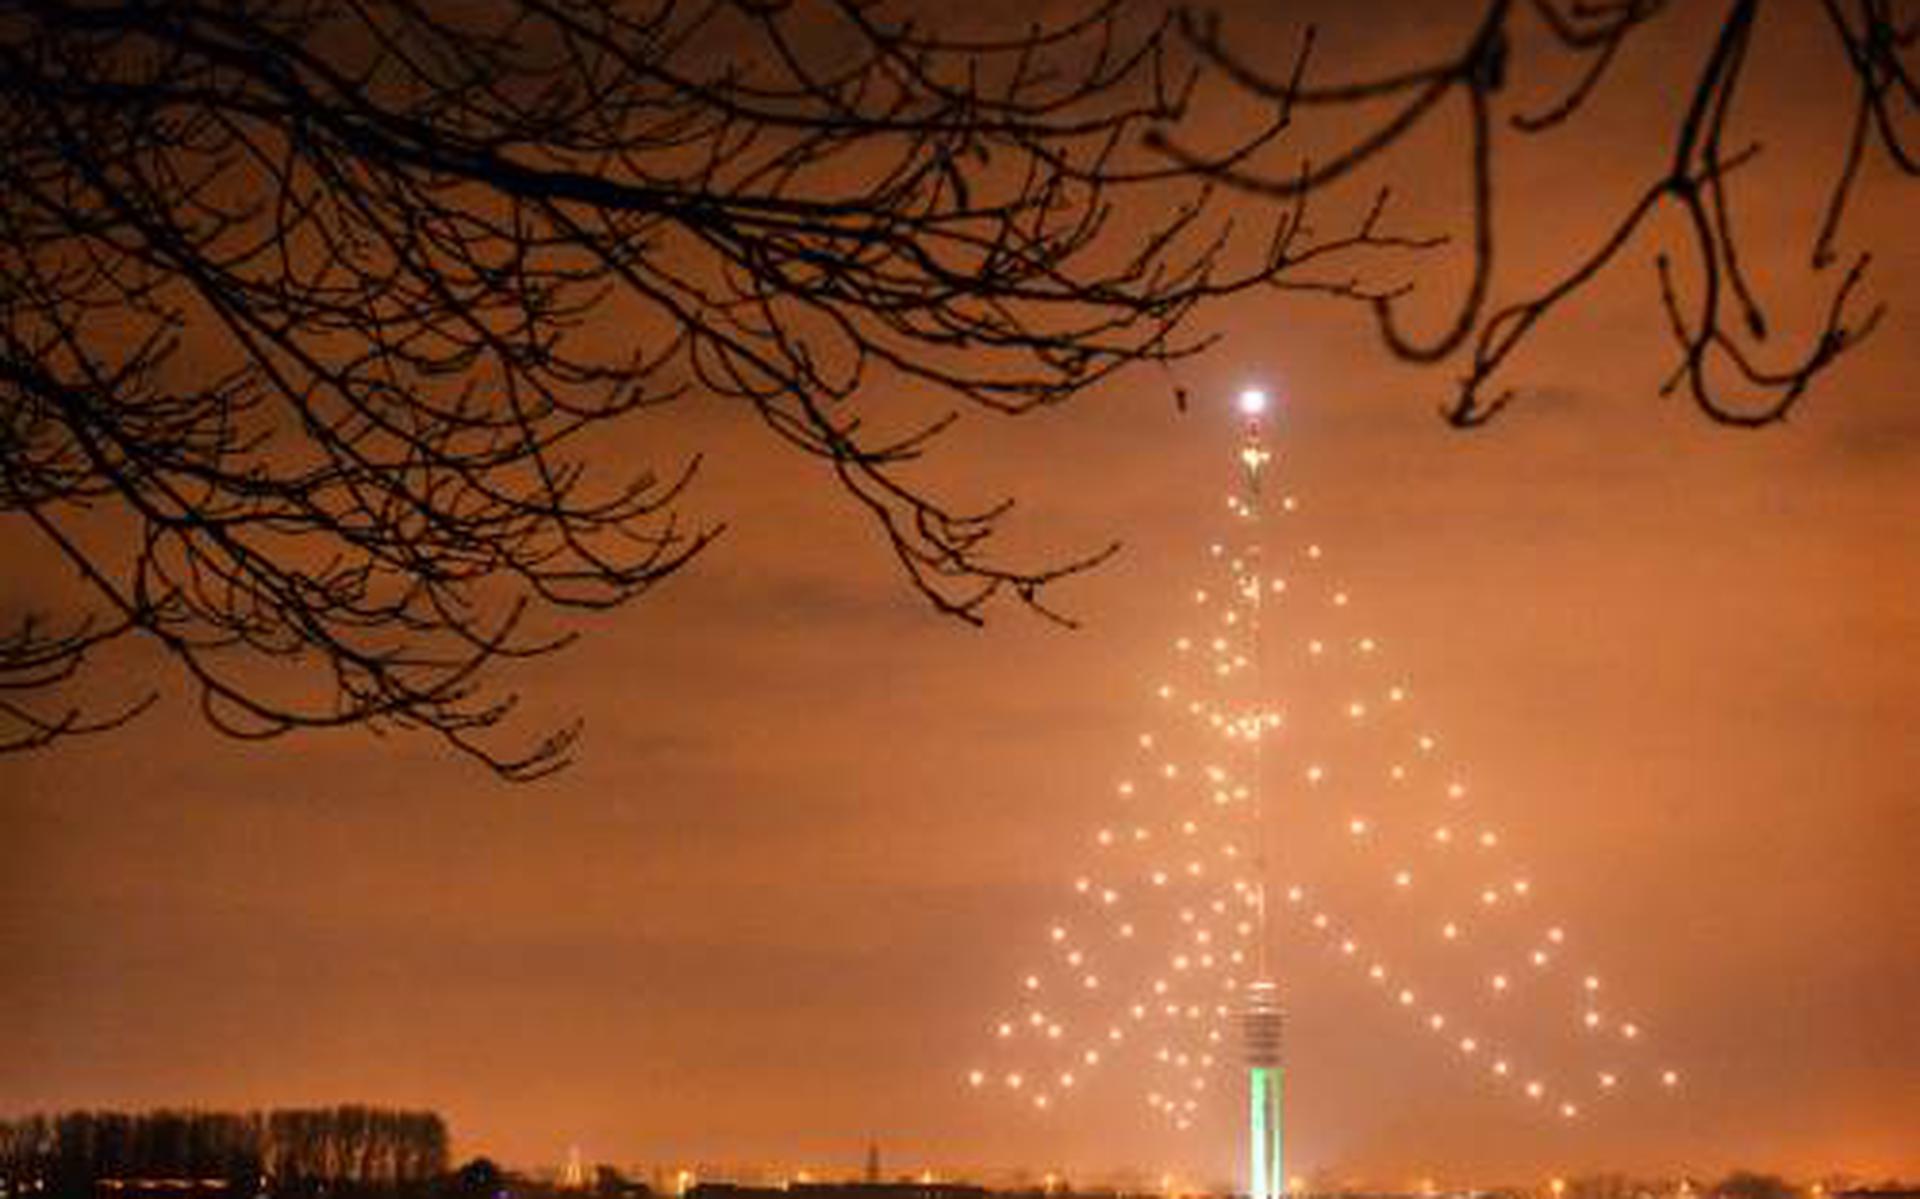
1261	1016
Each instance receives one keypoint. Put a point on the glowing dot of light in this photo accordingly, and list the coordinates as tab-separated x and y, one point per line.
1295	894
1368	645
1468	1044
1314	646
1082	885
1396	694
1556	935
1376	972
1015	1081
1426	743
1320	920
1397	773
1489	897
1253	401
1521	886
1005	1030
1316	773
1489	839
1670	1078
1539	957
1607	1080
1500	1068
1403	878
1535	1090
1450	930
976	1077
1499	982
1339	599
1347	947
1443	834
1569	1110
1033	983
1591	982
1592	1019
1406	998
1357	826
1629	1031
1456	790
1436	1022
1356	709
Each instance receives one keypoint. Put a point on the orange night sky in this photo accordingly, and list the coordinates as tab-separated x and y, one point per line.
815	832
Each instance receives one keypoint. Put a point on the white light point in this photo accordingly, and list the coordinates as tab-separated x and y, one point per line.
1450	930
1406	999
1456	790
1607	1081
1629	1031
1316	773
1501	1068
1535	1090
976	1077
1670	1078
1499	982
1468	1044
1593	1019
1591	982
1569	1110
1403	878
1556	935
1253	402
1357	826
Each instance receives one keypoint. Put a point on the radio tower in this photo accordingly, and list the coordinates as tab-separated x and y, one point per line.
1261	1016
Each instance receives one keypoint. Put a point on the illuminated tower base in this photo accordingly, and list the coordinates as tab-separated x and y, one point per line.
1266	1080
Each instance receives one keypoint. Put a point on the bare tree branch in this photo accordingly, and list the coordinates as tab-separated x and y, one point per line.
317	317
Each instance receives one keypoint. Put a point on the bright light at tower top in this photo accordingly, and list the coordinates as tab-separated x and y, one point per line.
1253	401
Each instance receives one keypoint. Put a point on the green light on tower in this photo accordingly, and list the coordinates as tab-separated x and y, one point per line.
1267	1167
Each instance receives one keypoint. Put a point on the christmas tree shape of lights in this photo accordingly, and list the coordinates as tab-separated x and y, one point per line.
1160	963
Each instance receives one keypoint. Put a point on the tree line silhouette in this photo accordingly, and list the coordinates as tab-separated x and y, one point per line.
350	1148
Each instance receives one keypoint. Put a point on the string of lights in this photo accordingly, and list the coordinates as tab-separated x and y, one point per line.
1161	929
